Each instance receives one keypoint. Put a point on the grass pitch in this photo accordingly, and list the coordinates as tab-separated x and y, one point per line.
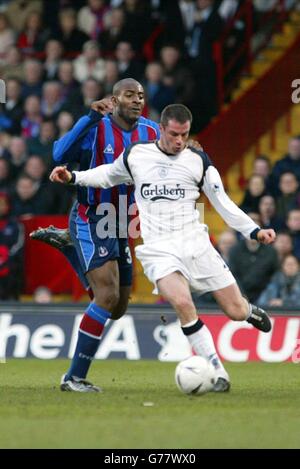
261	411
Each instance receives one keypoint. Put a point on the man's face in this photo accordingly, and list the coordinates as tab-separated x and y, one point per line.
174	136
129	103
294	148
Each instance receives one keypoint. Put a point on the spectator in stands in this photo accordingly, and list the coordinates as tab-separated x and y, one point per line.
42	145
54	52
284	287
34	36
137	22
291	163
91	90
293	225
7	37
18	11
89	64
262	166
113	33
111	76
268	214
158	95
27	200
254	192
90	18
14	66
68	34
5	175
69	86
31	121
65	122
128	65
207	28
42	295
33	79
227	240
283	245
17	155
11	112
289	188
228	8
57	199
36	169
177	75
52	99
11	252
253	264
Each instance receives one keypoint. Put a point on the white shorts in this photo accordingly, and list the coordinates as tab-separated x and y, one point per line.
193	255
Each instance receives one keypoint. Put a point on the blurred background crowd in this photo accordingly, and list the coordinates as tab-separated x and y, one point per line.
58	56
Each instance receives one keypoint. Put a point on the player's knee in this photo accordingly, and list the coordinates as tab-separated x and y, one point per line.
182	303
108	299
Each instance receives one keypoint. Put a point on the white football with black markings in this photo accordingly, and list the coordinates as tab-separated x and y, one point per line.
195	375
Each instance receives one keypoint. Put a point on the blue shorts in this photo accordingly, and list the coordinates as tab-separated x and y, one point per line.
93	252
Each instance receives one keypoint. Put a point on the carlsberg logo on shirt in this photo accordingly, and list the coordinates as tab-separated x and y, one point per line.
157	192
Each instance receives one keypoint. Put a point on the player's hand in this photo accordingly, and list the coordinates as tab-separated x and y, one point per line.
266	236
104	106
195	144
60	174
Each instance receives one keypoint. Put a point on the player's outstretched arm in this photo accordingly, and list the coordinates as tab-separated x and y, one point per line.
104	176
229	211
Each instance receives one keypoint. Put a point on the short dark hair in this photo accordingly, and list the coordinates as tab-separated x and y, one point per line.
178	112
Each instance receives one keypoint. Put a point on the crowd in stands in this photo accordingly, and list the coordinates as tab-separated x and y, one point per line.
269	275
59	56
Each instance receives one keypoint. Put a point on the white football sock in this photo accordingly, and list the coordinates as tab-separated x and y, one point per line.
203	345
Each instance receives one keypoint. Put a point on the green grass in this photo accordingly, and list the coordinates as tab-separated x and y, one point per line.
261	411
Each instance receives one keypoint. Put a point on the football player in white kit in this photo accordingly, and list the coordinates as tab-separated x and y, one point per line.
176	254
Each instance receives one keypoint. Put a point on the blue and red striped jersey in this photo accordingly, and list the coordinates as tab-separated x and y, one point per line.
95	140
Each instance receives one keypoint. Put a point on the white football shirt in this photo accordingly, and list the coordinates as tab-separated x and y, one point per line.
167	188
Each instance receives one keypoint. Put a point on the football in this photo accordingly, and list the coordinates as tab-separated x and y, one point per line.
195	375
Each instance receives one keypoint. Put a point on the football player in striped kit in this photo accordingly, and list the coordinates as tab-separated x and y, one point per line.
176	254
104	265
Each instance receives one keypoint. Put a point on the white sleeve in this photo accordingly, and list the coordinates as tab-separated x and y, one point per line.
234	217
106	175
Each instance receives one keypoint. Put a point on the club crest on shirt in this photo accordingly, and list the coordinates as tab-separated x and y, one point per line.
103	251
163	172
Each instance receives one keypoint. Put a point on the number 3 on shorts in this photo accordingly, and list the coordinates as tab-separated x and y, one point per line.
128	255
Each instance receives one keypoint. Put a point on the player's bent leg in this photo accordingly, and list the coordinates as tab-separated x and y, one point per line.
122	305
61	240
175	289
237	307
105	283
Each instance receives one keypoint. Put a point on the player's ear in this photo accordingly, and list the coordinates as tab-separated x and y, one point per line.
114	100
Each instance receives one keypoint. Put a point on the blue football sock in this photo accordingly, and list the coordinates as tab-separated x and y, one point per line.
90	330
